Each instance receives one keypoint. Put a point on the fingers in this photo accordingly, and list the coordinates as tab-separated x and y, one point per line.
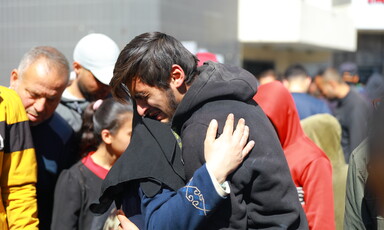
238	133
241	135
224	154
228	128
211	131
244	137
125	223
247	149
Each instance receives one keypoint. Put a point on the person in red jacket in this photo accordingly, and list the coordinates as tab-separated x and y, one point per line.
310	168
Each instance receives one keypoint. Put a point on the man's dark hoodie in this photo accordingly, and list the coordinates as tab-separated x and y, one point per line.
263	195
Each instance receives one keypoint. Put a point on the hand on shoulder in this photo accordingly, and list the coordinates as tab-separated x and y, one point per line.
224	154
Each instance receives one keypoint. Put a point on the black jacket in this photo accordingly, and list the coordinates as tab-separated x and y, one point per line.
75	191
263	195
353	113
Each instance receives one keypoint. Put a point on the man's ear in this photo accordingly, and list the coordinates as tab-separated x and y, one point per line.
355	79
177	76
307	82
14	80
106	136
76	67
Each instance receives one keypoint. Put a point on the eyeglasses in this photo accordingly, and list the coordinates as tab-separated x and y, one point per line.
126	91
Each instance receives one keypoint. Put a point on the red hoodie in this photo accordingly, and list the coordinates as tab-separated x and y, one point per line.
309	166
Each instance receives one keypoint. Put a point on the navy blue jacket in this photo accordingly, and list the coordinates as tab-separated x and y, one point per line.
187	208
55	147
308	105
152	168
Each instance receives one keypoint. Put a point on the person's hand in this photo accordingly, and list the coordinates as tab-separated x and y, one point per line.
125	223
224	154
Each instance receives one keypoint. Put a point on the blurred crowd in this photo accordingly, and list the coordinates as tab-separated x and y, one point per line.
317	162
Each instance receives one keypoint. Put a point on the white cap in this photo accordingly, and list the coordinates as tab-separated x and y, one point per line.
98	54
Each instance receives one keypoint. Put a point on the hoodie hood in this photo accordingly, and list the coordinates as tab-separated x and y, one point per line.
310	168
325	131
279	106
77	105
215	82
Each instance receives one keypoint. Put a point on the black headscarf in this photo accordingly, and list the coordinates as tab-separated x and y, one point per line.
153	160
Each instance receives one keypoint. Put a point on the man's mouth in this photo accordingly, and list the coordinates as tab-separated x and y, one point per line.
155	114
32	117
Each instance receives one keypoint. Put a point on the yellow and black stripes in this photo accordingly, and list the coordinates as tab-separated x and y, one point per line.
15	134
10	138
18	167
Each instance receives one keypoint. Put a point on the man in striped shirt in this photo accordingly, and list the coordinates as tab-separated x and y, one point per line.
18	174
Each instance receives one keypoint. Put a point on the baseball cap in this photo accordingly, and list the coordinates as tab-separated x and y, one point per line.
349	67
97	53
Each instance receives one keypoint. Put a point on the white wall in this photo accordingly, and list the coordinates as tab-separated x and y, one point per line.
269	21
331	28
368	16
299	22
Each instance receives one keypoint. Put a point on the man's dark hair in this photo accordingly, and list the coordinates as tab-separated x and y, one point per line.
266	73
295	70
330	73
149	57
321	71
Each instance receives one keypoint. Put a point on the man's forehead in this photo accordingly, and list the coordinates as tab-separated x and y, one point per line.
41	68
43	90
131	85
50	85
137	86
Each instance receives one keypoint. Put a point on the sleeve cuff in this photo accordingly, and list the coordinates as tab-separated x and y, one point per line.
222	189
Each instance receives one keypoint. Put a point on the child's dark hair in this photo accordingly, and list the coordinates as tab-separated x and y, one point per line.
108	115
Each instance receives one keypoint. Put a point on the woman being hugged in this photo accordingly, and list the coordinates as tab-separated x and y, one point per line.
105	134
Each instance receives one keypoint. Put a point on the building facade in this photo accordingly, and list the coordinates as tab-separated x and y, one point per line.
212	25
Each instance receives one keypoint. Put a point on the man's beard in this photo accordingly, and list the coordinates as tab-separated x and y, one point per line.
87	95
172	102
170	108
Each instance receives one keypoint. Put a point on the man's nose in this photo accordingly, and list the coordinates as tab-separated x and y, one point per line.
141	108
40	104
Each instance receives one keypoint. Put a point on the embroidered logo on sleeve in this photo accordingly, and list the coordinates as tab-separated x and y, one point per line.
194	196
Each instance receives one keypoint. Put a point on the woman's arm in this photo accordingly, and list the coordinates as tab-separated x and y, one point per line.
188	207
